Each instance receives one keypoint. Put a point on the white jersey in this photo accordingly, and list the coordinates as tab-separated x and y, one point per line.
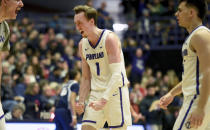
97	59
4	36
191	77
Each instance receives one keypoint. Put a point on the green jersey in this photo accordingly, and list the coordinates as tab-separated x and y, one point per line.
4	36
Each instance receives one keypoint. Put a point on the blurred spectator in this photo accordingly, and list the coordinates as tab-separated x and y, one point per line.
104	20
141	7
89	3
37	70
16	113
32	101
156	8
7	95
55	23
138	65
48	98
156	35
150	109
30	74
143	26
170	8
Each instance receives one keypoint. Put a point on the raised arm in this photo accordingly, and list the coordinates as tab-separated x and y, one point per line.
200	43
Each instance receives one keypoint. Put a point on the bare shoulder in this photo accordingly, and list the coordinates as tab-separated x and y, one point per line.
112	40
201	39
201	34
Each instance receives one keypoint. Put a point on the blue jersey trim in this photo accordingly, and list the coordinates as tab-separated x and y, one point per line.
121	105
97	41
123	79
2	116
89	121
197	77
185	116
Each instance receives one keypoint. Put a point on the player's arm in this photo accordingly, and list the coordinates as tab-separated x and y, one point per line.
176	90
200	42
85	82
113	48
73	109
168	98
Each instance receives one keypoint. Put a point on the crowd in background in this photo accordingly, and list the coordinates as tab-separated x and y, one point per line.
41	57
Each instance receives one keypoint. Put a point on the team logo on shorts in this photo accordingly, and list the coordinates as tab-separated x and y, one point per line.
187	125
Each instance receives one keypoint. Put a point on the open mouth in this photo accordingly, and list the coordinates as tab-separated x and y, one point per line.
17	10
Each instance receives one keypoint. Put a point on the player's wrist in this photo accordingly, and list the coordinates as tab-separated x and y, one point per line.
81	102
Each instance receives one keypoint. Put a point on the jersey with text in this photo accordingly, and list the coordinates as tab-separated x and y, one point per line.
97	59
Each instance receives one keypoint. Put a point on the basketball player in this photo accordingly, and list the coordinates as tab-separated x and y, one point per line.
8	10
65	114
195	84
103	75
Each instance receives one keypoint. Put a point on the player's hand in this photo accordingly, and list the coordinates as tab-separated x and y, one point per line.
155	106
80	107
98	105
196	118
74	121
166	100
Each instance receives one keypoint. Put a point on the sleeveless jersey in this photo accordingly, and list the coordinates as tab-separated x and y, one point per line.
4	36
65	95
191	77
97	59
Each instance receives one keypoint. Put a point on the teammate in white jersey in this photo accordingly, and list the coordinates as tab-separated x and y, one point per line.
8	10
103	75
195	84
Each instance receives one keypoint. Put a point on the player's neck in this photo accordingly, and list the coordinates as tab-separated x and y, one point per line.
2	15
193	26
93	37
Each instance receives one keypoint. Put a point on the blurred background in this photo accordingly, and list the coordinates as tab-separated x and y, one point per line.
44	47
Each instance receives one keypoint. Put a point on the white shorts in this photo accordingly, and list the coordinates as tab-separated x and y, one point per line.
189	104
116	112
2	119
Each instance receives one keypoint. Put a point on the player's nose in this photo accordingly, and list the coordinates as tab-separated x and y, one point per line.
21	3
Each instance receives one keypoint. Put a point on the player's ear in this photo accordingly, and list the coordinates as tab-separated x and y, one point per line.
4	2
192	12
92	21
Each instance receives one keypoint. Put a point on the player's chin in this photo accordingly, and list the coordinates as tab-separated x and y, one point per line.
13	16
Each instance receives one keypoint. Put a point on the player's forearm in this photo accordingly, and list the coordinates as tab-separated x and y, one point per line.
176	90
115	81
204	91
73	104
84	90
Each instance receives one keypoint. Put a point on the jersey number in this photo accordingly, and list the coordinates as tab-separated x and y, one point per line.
97	68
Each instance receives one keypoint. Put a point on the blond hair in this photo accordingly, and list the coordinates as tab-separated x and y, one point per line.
89	12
